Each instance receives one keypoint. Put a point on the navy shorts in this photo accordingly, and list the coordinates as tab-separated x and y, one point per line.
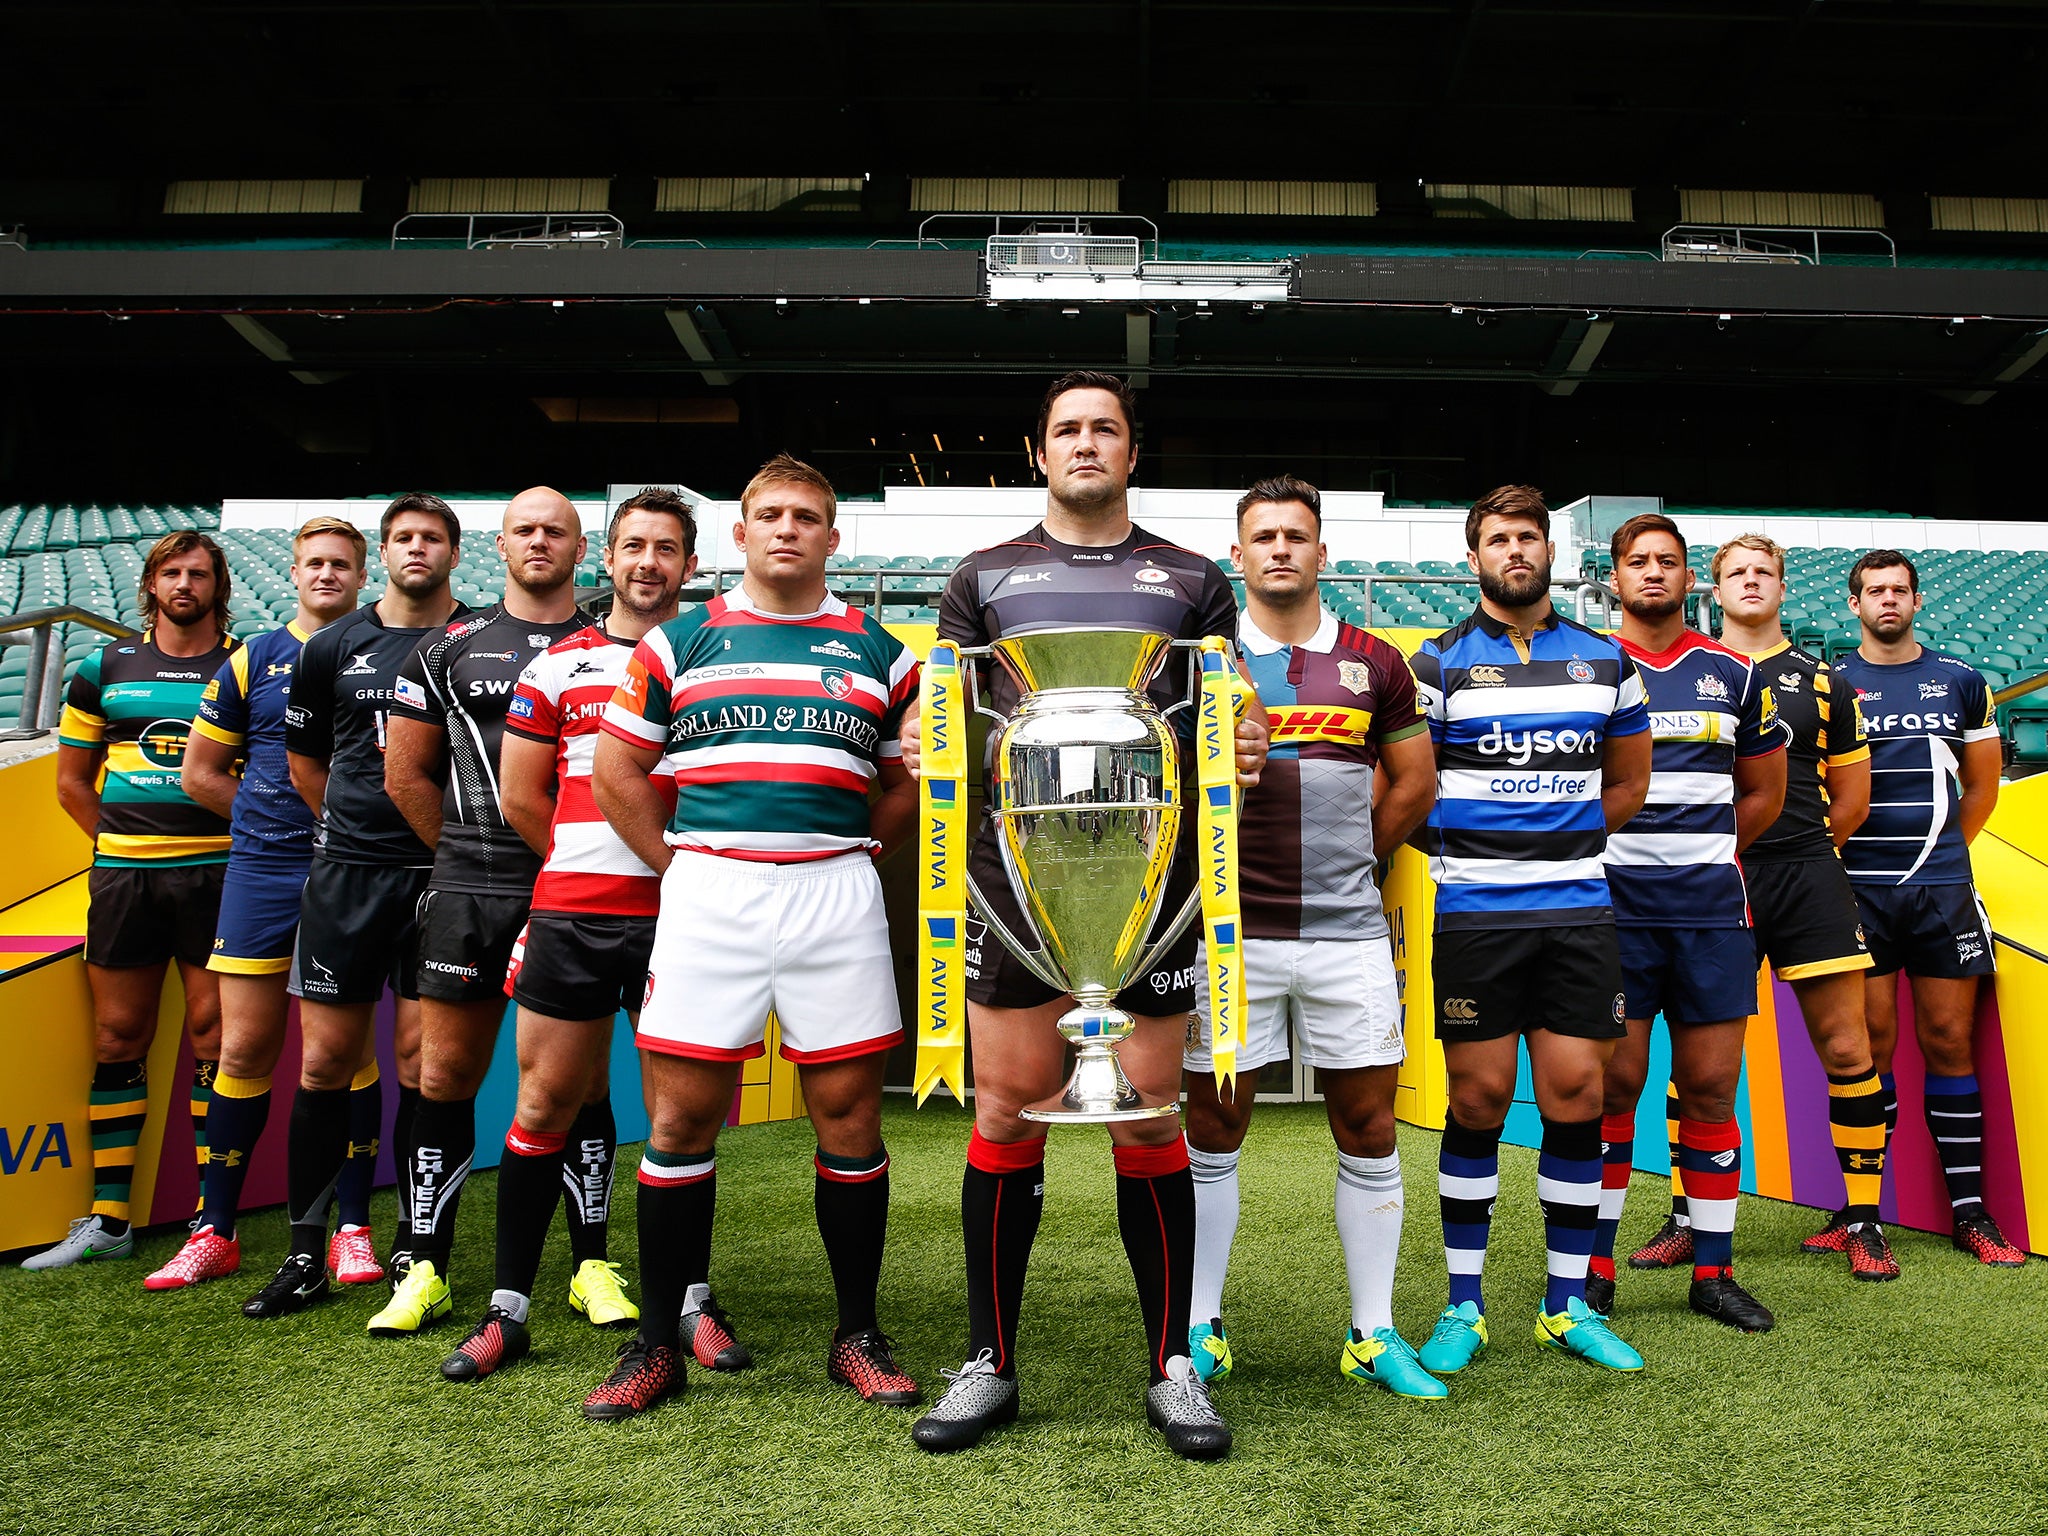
1926	930
259	916
1690	975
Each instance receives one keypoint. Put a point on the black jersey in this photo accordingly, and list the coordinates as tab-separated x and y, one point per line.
1036	582
1822	731
462	680
341	695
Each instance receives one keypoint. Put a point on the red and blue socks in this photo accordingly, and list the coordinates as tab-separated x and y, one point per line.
237	1110
1711	1155
678	1195
1568	1183
1002	1196
1155	1215
1955	1119
1617	1162
851	1201
1468	1183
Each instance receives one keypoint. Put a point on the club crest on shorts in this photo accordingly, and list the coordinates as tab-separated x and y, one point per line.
1353	676
836	683
1579	671
1620	1009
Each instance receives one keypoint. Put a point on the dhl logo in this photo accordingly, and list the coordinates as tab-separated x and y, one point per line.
1347	726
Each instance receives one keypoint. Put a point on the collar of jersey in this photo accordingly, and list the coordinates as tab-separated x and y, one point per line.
1767	653
1688	640
1498	630
292	629
1259	643
736	601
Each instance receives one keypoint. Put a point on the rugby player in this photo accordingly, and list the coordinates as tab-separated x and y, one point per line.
778	708
157	861
1342	708
1681	913
1543	749
1800	904
1086	563
357	928
1934	765
583	954
441	771
235	765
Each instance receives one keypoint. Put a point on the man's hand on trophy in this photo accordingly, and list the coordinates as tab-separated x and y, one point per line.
1252	740
911	736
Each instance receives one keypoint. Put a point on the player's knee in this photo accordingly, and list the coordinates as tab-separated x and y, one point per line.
1481	1106
1369	1133
543	1108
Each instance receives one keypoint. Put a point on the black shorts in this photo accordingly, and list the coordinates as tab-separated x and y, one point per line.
577	965
1805	918
358	932
1492	982
466	940
1690	975
1926	930
998	979
140	916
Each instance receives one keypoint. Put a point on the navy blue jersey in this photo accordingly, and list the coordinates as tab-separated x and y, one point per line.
244	708
1918	716
1520	724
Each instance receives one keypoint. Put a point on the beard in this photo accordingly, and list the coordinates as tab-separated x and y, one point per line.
1091	495
1515	589
1654	608
406	582
185	618
624	596
542	583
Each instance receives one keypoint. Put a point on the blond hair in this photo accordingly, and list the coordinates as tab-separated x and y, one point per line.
1762	543
340	527
785	469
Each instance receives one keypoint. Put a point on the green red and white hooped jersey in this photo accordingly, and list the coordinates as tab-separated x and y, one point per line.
774	725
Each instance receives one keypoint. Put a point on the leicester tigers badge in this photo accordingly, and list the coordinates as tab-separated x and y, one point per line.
836	683
1354	676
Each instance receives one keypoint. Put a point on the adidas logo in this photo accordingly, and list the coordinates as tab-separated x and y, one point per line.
836	648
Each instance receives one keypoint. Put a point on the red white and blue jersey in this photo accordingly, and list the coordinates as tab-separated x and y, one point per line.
1918	716
1521	723
1305	856
1673	864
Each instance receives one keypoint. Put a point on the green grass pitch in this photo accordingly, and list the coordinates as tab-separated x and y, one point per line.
1910	1407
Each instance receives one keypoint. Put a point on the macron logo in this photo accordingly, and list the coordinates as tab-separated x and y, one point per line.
836	648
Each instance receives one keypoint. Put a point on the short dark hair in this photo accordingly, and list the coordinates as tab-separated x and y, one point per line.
656	498
182	542
1643	522
1089	378
419	501
1882	560
1275	489
1507	501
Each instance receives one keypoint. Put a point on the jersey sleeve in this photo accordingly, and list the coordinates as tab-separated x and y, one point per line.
960	618
1757	729
224	707
1841	722
84	723
642	707
1218	615
1631	715
1979	714
535	711
416	694
1399	712
1428	671
904	677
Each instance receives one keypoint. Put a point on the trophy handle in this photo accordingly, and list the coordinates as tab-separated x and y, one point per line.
1181	919
1029	957
969	657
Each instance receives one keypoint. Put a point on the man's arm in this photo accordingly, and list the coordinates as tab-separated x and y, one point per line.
209	772
620	783
1759	795
893	813
415	759
1410	790
1624	777
78	785
309	778
1254	734
527	787
1981	762
1848	798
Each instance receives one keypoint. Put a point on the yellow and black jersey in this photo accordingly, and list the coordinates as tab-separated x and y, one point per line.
135	703
1823	730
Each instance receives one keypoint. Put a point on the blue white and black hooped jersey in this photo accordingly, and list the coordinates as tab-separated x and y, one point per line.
1520	724
1673	864
1918	717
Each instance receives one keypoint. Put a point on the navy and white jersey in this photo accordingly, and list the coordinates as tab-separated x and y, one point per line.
1520	723
1918	716
244	708
1673	864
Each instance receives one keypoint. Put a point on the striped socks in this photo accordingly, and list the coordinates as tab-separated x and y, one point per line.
1856	1116
851	1201
235	1116
1617	1162
678	1194
1568	1182
119	1105
1955	1118
1712	1158
203	1074
1681	1210
1468	1183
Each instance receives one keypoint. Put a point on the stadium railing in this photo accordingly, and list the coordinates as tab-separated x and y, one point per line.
42	696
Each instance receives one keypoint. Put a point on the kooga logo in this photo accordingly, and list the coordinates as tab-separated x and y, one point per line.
1520	746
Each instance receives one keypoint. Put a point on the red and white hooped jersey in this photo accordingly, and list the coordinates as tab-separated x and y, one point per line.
560	699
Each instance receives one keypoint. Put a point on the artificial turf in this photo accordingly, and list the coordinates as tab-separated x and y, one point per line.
1909	1407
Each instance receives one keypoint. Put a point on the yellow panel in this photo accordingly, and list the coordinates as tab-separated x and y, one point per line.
44	845
753	1105
46	1024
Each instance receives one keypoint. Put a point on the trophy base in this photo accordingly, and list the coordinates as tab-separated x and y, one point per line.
1098	1093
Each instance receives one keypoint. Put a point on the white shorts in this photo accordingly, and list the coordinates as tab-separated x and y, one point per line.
737	939
1339	994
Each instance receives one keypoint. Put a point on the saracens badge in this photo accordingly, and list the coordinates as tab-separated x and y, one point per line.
1354	676
836	683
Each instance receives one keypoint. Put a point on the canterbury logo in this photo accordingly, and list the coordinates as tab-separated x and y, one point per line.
1487	676
1460	1008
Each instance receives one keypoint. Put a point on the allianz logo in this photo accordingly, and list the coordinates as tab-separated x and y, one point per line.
1519	746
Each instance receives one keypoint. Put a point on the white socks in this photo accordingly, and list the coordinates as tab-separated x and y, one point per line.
511	1303
1215	1175
1369	1205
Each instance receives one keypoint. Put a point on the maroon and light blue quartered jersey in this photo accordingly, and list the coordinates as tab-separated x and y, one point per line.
1673	864
1306	858
1919	716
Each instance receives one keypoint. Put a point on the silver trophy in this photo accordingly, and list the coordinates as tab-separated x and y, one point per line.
1085	789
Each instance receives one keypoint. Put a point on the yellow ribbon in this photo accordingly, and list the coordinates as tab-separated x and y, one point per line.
942	877
1223	699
